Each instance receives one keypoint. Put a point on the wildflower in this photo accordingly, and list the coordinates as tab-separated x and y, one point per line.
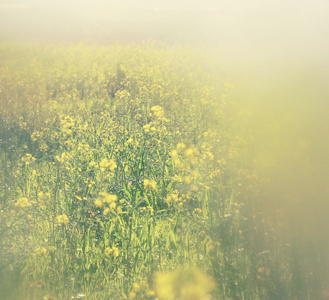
177	178
107	164
62	219
43	147
83	147
130	141
188	152
174	154
157	111
114	251
106	211
35	135
108	198
113	205
132	295
98	203
150	184
172	196
136	286
22	202
28	159
146	128
178	163
180	146
197	211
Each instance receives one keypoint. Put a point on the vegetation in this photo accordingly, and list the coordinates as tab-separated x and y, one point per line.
122	177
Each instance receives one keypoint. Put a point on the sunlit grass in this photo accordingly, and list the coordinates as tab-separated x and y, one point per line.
124	165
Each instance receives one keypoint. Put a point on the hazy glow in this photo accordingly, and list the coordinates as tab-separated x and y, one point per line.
270	28
276	53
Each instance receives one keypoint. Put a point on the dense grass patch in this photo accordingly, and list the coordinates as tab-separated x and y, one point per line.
119	164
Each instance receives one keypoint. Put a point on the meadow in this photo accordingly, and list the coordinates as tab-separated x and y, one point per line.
126	173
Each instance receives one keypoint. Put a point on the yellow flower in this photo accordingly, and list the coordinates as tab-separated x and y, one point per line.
28	159
172	196
22	202
108	251
106	211
180	146
177	178
136	286
107	164
146	128
150	184
108	198
174	154
98	203
62	219
114	251
113	205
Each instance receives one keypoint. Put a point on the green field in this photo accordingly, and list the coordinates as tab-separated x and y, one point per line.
137	171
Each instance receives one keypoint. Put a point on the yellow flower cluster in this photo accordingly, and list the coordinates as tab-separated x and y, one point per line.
150	184
206	152
107	164
157	124
172	197
132	142
65	157
35	135
109	200
83	147
22	202
62	219
190	153
114	251
28	159
158	112
67	124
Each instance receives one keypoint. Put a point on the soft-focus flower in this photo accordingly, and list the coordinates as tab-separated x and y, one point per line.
112	251
98	203
28	159
22	202
62	219
107	164
150	184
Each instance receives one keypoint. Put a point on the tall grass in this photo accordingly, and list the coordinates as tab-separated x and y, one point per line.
119	164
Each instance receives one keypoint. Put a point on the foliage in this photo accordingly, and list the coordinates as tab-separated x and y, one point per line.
118	164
